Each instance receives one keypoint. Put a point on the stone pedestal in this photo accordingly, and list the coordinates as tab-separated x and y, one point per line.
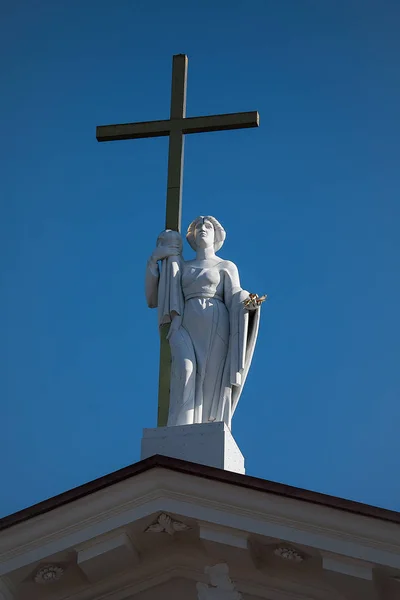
209	444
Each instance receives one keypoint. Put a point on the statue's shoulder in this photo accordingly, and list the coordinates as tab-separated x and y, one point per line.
227	265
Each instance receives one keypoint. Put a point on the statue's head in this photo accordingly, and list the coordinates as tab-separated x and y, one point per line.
170	238
204	232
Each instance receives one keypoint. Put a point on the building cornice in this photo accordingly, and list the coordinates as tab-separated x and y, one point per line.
211	473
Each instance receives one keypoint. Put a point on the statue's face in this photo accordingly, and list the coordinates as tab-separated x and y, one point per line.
204	234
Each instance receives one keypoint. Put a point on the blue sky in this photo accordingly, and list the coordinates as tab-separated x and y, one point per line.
310	202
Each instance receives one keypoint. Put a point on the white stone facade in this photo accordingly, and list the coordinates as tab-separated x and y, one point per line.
158	529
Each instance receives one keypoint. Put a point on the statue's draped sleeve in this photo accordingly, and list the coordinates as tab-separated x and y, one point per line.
243	325
164	290
151	283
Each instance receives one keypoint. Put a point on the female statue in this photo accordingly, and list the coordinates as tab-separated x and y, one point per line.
214	323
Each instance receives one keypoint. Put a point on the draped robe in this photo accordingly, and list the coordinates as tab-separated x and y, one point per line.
212	349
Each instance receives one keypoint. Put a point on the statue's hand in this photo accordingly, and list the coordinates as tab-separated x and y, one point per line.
161	252
254	301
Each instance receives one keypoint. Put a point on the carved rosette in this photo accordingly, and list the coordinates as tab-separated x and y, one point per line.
288	554
48	574
166	524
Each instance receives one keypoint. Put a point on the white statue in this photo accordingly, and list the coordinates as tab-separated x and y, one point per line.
214	323
222	587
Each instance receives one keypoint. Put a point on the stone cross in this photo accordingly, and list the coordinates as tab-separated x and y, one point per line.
175	127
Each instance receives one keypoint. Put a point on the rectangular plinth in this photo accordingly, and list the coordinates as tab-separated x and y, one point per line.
209	444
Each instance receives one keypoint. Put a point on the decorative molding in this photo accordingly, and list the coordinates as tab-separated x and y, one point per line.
11	548
348	567
157	491
166	524
127	584
288	554
222	586
107	557
48	574
224	536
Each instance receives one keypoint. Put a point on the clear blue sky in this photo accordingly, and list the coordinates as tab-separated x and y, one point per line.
310	202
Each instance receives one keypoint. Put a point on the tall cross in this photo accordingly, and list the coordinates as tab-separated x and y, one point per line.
175	127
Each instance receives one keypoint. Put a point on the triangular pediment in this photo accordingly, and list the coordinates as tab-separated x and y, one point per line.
165	527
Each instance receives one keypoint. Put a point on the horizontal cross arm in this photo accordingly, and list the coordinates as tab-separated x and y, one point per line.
221	122
131	131
147	129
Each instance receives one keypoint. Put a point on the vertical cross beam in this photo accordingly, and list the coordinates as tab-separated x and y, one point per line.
176	143
173	211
